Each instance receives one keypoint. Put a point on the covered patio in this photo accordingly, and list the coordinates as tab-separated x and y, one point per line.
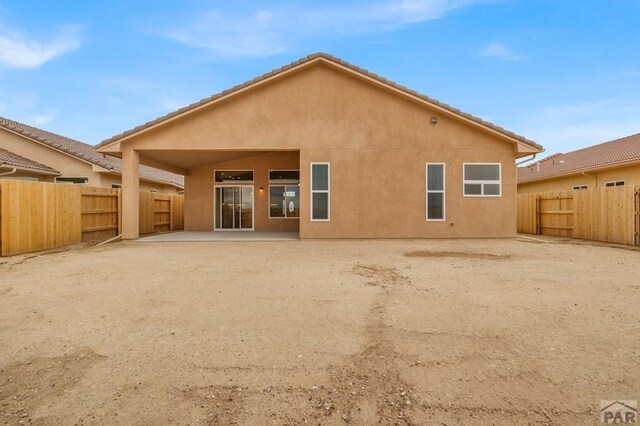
227	192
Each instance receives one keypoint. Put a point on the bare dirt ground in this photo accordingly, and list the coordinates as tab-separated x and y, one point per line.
320	332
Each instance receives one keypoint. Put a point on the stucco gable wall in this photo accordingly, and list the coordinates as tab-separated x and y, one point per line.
318	107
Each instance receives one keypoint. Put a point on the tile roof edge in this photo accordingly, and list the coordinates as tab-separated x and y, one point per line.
580	170
300	62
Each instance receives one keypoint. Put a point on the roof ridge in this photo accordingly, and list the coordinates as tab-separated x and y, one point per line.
602	143
302	61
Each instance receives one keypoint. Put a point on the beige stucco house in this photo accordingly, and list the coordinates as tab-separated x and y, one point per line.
613	163
33	154
329	150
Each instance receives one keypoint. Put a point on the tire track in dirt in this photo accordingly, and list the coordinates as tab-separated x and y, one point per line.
367	387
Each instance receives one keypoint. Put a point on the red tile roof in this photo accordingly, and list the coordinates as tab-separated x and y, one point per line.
335	60
86	152
12	160
616	152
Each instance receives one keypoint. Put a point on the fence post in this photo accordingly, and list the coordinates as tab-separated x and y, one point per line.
119	207
637	213
171	207
538	214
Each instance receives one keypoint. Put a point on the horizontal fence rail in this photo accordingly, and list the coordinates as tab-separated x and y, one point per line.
599	214
37	216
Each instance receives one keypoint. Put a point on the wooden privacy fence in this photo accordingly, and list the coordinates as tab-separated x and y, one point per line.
38	216
600	214
160	212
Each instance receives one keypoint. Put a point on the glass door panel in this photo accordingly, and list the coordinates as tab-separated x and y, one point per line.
233	207
246	196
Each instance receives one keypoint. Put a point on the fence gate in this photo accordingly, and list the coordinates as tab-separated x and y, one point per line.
554	214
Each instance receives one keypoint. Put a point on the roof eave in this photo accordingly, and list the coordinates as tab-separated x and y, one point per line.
113	144
583	170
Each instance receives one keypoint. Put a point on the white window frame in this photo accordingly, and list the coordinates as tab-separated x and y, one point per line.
234	182
327	191
482	182
71	177
614	182
579	187
434	191
284	185
276	182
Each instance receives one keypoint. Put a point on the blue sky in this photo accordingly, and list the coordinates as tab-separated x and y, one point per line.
565	73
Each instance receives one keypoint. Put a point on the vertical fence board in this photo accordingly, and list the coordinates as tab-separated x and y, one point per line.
599	214
37	216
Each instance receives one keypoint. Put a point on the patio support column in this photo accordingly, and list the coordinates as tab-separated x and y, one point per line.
130	194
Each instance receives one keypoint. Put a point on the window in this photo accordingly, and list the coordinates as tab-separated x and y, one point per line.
116	186
435	191
320	184
72	180
580	187
614	183
284	176
153	191
482	180
230	176
284	202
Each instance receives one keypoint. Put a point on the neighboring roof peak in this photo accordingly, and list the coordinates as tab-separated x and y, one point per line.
340	62
85	152
606	154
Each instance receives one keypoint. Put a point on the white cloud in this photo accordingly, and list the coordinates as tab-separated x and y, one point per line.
562	128
500	51
254	36
270	32
41	119
17	51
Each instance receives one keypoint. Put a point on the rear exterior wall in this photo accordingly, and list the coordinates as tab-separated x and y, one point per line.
377	143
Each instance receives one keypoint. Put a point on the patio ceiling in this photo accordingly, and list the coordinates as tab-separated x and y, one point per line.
186	159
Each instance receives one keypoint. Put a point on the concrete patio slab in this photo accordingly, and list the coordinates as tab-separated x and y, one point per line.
196	236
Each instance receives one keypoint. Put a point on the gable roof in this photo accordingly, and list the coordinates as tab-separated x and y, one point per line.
86	152
320	56
13	160
607	154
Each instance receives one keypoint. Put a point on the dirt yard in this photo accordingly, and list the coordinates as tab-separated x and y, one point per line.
323	332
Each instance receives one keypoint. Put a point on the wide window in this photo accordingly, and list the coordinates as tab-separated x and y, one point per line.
435	191
320	184
580	187
482	180
233	176
72	180
614	183
284	201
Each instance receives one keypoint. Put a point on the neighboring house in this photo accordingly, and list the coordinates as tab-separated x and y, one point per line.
613	163
33	154
330	150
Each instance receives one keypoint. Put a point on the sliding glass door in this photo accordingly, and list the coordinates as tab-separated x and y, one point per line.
233	208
